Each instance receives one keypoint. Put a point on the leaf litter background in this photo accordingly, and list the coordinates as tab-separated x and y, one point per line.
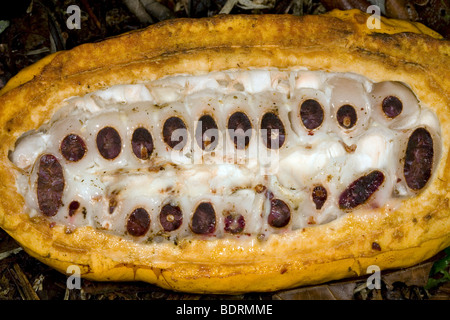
33	29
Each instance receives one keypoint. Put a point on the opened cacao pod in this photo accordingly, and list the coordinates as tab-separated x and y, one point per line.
234	153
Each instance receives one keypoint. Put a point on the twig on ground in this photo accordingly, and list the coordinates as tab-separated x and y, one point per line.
23	285
91	14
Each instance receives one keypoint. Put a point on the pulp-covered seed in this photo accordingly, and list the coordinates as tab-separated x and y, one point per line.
109	143
204	219
312	114
234	223
175	133
395	103
240	129
207	133
319	196
50	185
360	190
418	159
280	214
346	116
73	147
392	106
170	217
273	131
138	222
142	143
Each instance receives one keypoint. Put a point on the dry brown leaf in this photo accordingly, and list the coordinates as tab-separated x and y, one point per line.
414	276
335	291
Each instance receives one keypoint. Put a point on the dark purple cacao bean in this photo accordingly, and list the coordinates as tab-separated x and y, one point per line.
73	147
138	222
204	219
280	214
273	131
346	116
50	185
170	217
312	114
207	133
175	133
109	143
240	129
360	190
392	106
418	159
142	143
